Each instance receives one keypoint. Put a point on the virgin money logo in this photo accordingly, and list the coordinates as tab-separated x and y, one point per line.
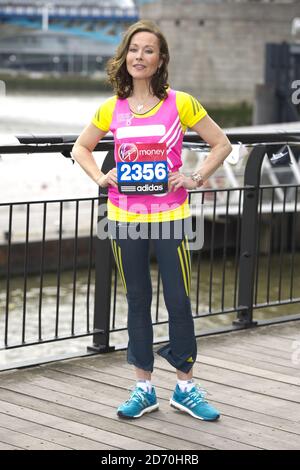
128	152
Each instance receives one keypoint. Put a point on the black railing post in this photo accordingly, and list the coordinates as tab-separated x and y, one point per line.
248	241
103	272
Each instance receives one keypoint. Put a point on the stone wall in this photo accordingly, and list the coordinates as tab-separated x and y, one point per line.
218	47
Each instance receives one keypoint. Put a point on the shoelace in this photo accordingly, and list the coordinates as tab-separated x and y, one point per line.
199	395
136	396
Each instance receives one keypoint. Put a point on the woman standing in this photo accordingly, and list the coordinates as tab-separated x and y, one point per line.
147	190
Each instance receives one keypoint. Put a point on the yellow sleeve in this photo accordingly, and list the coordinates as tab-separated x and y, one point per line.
189	108
103	116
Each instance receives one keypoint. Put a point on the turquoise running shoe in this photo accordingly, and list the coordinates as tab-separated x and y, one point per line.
139	403
194	403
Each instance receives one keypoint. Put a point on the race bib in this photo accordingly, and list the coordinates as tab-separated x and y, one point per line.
142	168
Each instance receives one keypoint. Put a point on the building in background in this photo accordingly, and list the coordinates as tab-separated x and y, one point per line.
218	46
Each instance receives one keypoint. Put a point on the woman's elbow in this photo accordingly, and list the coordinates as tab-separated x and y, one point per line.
75	150
227	148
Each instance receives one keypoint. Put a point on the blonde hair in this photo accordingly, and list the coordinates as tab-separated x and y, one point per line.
118	75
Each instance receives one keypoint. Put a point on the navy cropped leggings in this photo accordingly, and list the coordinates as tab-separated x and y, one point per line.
131	254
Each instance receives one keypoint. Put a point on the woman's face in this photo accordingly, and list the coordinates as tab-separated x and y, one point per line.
143	56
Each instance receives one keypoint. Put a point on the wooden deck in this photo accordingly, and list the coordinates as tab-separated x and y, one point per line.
252	376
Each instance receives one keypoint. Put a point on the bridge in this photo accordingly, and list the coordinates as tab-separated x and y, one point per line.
66	9
102	20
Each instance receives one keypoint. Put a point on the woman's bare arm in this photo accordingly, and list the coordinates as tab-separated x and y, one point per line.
221	147
211	133
82	153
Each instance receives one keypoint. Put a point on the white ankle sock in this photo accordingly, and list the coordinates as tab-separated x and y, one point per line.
186	385
146	385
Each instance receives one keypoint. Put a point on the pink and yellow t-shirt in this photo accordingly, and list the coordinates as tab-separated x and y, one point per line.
165	123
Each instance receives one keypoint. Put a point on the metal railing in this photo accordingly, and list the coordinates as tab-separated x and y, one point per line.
67	282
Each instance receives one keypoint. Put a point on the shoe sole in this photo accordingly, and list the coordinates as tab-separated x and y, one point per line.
144	411
176	405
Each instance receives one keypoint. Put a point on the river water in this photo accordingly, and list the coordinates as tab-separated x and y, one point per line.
52	177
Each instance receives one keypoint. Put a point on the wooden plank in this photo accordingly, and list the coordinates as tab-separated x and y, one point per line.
255	356
248	357
292	334
238	412
232	411
239	345
8	436
198	438
4	446
267	340
243	368
53	435
121	377
243	431
242	343
245	398
229	378
249	374
116	425
256	359
289	330
65	419
263	386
